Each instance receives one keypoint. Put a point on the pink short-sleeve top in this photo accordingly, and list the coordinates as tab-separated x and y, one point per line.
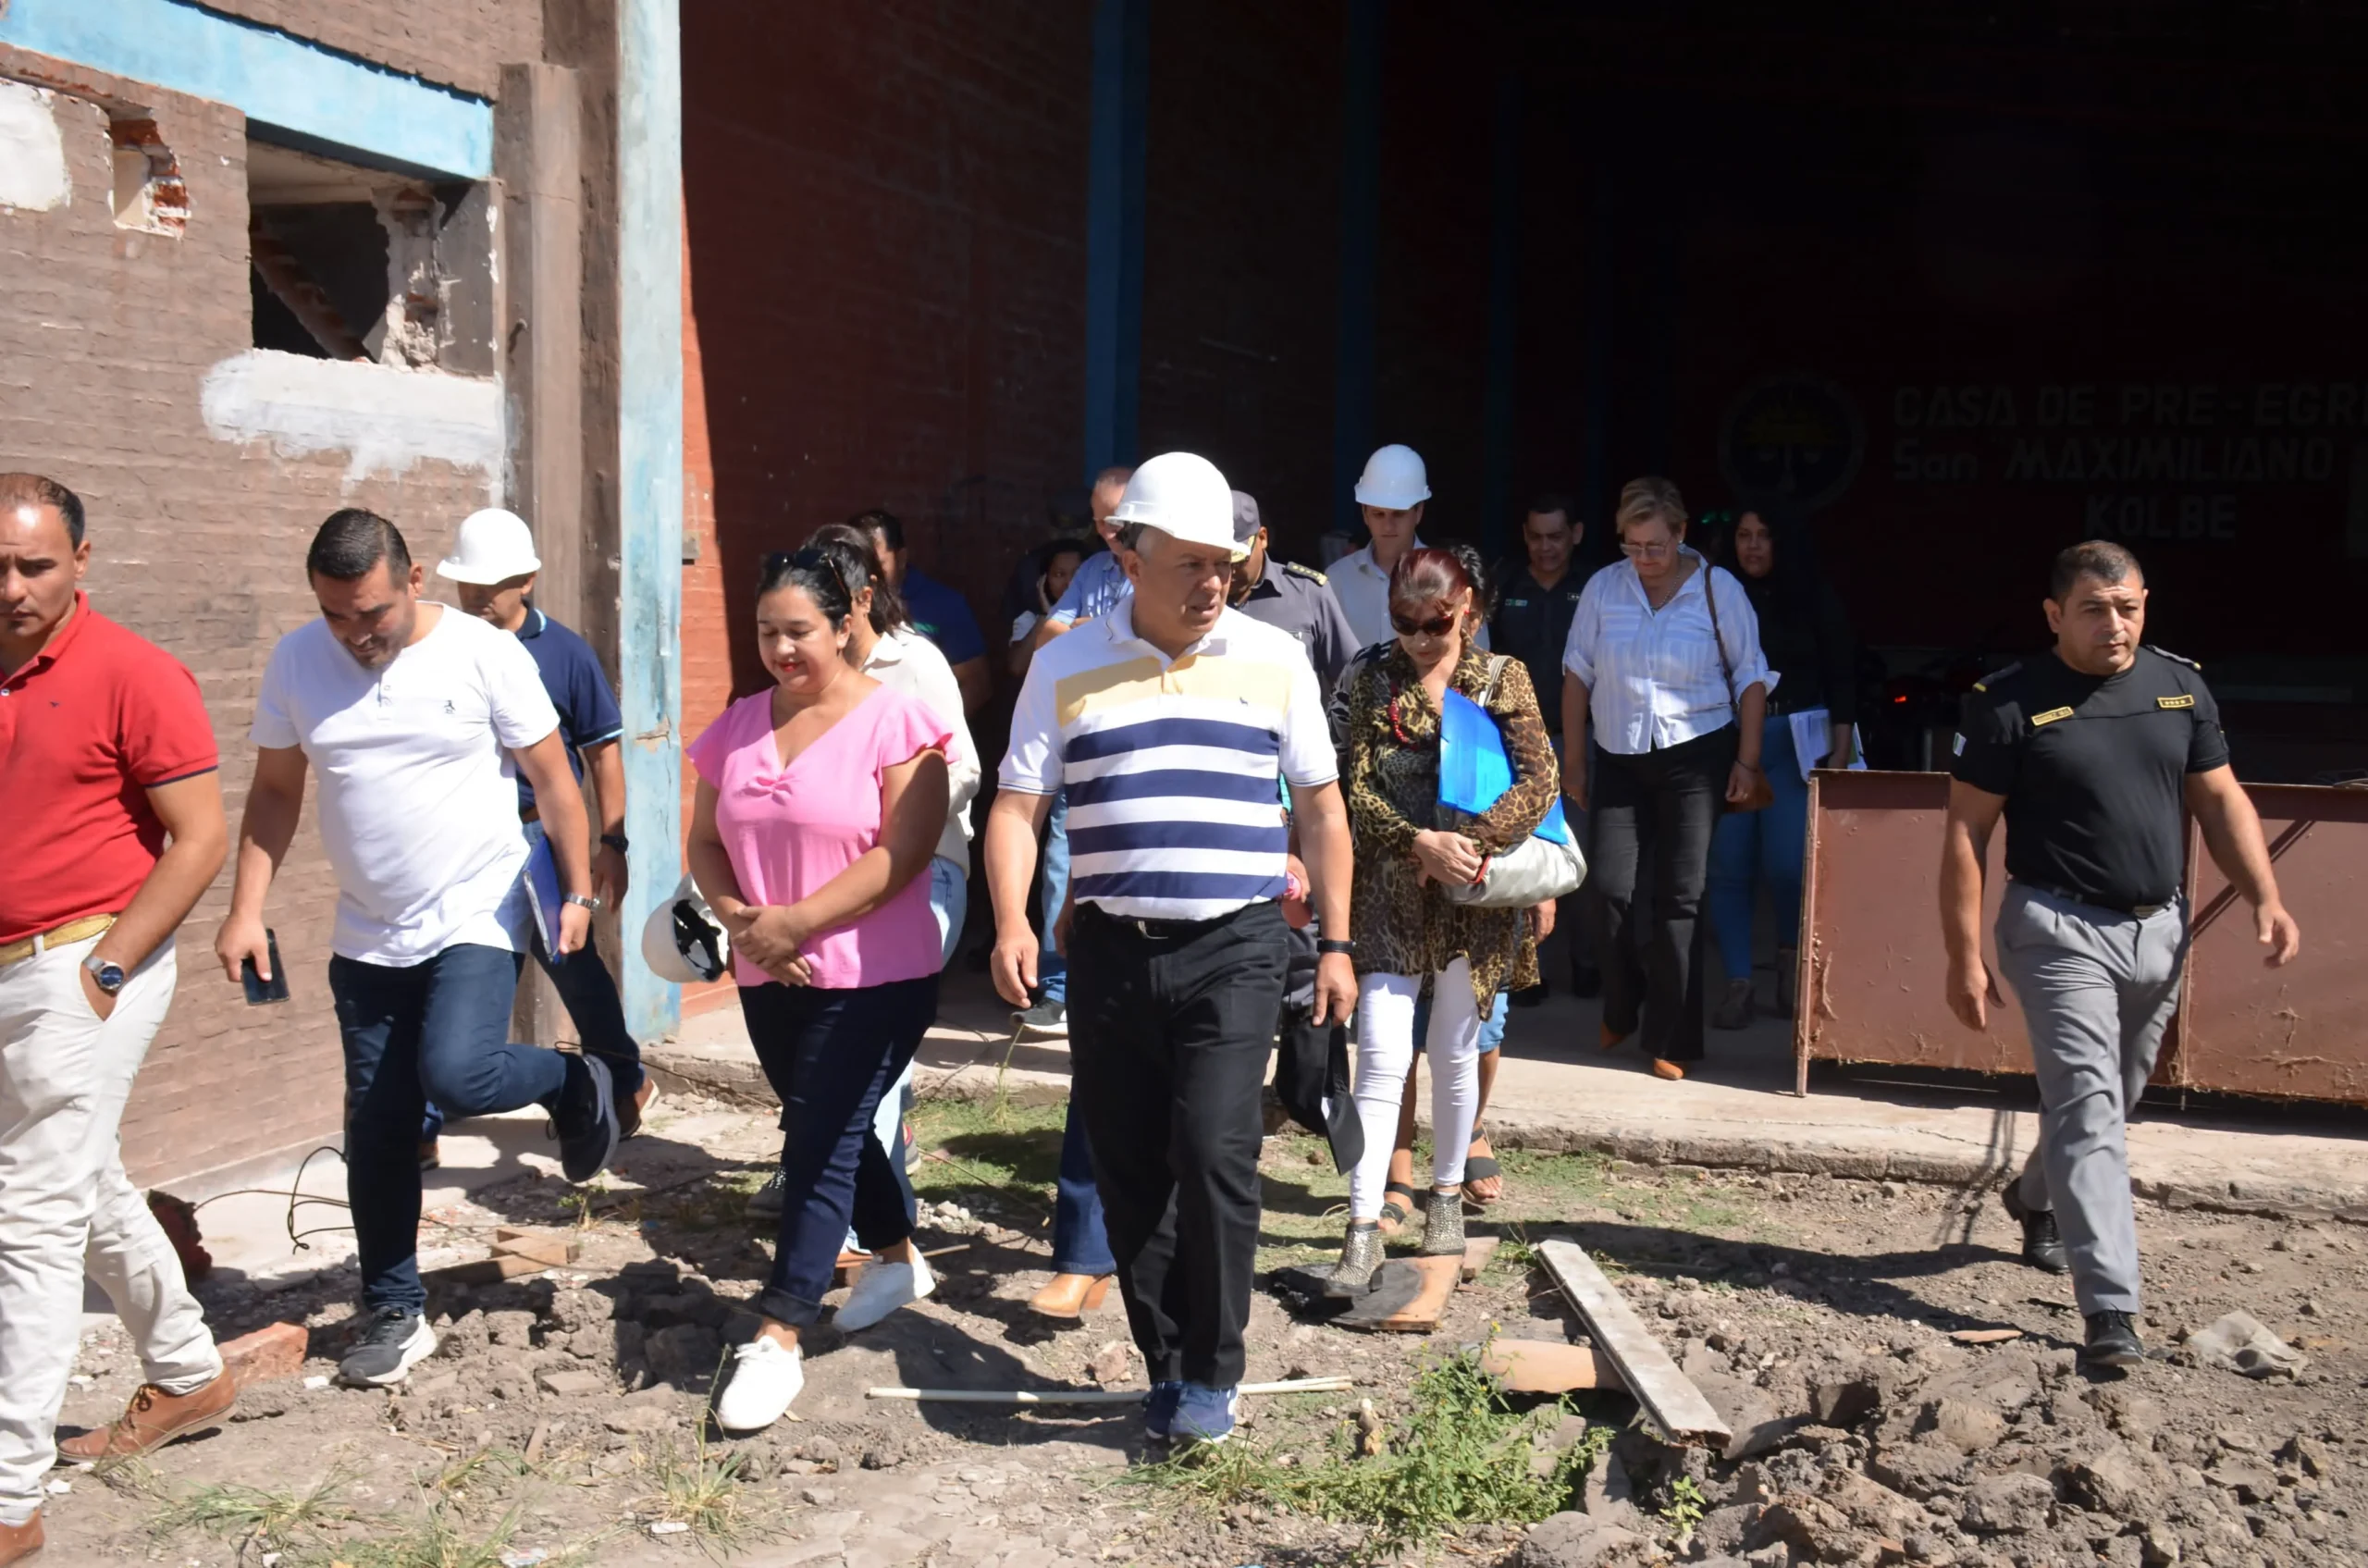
791	830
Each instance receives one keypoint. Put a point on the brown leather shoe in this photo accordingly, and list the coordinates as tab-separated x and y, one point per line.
630	1111
1665	1068
19	1542
1608	1039
1071	1296
153	1419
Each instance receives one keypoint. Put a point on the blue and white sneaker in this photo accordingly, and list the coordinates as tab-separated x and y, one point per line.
1159	1410
1204	1415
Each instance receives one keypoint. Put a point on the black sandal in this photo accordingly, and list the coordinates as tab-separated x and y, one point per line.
1481	1167
1394	1215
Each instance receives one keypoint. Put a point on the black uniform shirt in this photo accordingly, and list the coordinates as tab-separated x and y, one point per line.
2093	770
1300	600
1533	624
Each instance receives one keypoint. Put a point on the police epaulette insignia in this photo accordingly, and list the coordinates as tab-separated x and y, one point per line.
2185	699
1983	684
1308	571
2174	658
2050	717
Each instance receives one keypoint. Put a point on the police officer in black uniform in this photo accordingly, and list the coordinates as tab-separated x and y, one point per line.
1533	624
1296	598
2089	752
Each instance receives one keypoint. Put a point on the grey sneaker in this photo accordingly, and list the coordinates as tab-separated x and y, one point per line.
766	1202
585	1116
1360	1255
1443	1226
1045	1021
394	1340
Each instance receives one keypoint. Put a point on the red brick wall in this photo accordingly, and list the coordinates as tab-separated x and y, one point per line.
707	639
198	545
1242	250
886	204
462	42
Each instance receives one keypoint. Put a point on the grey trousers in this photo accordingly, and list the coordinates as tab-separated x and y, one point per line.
2097	989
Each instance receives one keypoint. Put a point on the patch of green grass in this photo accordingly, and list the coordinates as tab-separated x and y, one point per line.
1462	1457
441	1538
704	1489
275	1520
1686	1505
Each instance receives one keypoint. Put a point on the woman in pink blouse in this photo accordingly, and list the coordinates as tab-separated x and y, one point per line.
819	806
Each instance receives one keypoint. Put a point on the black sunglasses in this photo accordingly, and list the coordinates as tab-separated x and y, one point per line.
808	559
1438	629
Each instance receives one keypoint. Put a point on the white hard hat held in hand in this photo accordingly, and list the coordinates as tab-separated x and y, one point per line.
492	547
683	942
1183	496
1394	479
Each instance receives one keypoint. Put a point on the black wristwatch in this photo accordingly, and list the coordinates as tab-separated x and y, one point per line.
615	841
1330	945
105	972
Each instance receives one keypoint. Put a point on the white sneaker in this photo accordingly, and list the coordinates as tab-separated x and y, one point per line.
765	1378
881	1287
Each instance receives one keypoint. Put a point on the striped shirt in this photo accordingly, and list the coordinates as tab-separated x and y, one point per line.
1652	676
1171	767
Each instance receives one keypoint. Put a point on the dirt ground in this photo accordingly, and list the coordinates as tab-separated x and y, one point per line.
563	1418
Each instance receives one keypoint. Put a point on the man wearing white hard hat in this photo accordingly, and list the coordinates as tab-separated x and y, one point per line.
1391	492
1169	722
492	569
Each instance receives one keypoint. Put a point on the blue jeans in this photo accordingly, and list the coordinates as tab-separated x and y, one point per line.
1051	969
949	900
1492	1028
1753	845
830	1055
438	1029
1080	1244
589	993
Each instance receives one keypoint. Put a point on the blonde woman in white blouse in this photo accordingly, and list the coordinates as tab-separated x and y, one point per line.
1664	656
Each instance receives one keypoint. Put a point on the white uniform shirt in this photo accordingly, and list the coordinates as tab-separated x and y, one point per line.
1361	585
418	793
907	662
1652	677
1171	766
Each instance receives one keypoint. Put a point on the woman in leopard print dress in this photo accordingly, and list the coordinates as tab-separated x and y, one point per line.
1410	936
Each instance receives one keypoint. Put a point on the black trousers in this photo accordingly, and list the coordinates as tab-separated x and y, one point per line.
1169	1039
1661	809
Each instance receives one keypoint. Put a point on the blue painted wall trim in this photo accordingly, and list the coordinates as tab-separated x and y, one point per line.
1114	233
649	254
273	77
1500	400
1354	362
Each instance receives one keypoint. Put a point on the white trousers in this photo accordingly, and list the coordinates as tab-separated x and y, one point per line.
1386	1055
66	1209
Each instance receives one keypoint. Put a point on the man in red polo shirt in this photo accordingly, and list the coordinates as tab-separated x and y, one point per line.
107	763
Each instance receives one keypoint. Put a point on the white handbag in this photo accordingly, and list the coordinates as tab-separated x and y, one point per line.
1533	870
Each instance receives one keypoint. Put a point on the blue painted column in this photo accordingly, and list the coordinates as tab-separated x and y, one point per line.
650	263
1500	400
1114	232
1354	356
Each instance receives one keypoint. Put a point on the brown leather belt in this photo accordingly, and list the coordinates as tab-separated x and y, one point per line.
65	935
531	814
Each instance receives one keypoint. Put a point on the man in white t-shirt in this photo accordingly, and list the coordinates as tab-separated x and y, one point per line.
419	720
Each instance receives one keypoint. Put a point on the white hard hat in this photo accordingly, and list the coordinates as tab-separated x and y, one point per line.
683	941
1183	496
1394	478
493	547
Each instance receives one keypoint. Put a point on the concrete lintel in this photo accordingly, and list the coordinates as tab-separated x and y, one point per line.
316	96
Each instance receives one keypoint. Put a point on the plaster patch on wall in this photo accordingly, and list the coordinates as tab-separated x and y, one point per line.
384	419
32	154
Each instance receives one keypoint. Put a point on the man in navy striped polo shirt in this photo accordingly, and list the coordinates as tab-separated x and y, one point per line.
1171	723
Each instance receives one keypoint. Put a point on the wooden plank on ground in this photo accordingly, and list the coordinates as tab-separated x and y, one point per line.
1664	1392
1477	1251
1421	1315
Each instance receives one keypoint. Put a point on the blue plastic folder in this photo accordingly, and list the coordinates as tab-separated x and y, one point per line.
1473	769
542	891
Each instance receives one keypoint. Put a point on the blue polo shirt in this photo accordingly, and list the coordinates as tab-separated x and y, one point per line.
579	687
943	616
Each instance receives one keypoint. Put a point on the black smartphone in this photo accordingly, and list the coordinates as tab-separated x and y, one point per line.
259	990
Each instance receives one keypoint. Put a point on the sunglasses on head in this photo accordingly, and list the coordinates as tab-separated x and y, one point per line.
808	559
1437	628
